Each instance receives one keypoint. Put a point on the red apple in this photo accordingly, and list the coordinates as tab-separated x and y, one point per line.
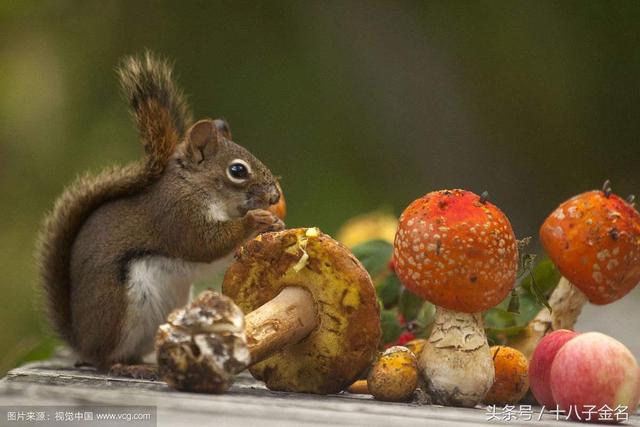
540	365
593	370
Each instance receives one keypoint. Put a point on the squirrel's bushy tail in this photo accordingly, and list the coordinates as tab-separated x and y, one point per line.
162	115
158	106
61	226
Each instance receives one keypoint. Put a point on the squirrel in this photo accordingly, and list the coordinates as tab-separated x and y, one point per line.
121	249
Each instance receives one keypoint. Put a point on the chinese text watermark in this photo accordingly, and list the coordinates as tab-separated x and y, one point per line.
603	413
138	416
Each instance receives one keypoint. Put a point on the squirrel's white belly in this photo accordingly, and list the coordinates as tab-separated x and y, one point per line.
156	286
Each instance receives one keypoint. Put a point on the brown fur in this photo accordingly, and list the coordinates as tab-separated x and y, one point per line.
153	207
61	227
159	108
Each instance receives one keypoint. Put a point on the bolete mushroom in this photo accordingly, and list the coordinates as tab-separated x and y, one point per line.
416	346
594	240
458	251
394	375
512	376
311	313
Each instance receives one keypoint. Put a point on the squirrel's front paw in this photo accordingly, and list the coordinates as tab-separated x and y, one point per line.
263	221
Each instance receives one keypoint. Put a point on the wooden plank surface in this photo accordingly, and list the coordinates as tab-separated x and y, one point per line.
247	403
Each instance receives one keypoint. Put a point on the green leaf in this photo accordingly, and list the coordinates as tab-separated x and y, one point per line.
374	255
389	290
409	304
531	299
391	329
514	302
529	307
499	318
422	324
500	335
510	331
546	277
537	293
539	283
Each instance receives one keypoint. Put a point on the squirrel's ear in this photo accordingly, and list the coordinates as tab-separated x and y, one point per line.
202	141
223	128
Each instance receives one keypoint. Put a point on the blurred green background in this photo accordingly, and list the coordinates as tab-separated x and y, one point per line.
357	104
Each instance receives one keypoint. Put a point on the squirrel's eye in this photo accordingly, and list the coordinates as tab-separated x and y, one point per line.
238	171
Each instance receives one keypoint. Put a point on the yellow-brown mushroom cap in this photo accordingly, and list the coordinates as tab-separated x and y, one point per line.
394	375
416	346
348	332
512	376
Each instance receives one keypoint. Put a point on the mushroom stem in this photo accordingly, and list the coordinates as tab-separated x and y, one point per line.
286	319
456	362
566	303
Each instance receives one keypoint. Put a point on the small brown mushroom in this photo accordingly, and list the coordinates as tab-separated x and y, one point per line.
202	345
312	322
394	376
415	346
512	376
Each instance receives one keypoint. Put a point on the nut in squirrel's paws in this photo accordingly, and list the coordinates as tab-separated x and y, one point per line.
264	221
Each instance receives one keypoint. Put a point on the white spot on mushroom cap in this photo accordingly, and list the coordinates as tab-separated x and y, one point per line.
613	215
597	276
603	254
557	231
573	212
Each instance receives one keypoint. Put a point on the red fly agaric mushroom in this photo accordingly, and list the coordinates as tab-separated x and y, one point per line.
312	321
458	251
594	240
